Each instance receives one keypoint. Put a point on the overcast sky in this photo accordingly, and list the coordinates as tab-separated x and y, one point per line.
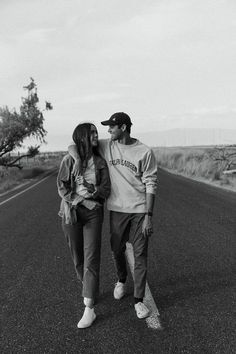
167	63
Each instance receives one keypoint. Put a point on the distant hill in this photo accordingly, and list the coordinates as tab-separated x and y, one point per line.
172	137
188	137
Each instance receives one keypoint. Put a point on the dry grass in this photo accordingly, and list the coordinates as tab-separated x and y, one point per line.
194	162
9	178
12	177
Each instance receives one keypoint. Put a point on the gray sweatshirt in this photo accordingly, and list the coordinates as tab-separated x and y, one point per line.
133	173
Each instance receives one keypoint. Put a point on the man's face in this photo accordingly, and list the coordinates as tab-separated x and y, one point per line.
115	132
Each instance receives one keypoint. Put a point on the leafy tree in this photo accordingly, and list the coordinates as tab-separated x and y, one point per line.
15	127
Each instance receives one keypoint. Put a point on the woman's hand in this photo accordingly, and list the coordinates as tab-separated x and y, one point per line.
90	187
78	199
81	180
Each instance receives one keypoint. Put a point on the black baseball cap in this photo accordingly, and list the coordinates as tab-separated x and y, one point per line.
118	118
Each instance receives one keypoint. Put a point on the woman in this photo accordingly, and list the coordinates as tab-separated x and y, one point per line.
82	212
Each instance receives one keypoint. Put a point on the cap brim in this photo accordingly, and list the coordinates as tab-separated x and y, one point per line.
107	122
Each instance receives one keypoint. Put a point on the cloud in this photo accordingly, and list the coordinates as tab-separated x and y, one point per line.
91	98
150	58
37	35
214	110
214	118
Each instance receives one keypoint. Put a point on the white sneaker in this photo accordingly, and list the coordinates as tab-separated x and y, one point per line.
88	318
141	310
119	290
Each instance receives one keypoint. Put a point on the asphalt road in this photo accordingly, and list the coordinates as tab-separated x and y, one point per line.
191	277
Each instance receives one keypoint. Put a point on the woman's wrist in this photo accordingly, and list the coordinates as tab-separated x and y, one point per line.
94	192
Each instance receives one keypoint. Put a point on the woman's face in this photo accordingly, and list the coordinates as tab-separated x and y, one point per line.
94	136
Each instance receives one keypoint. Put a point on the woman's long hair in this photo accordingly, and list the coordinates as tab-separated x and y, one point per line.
81	138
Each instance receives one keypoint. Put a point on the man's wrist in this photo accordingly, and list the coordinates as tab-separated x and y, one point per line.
149	213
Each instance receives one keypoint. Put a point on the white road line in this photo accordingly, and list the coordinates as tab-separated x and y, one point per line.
153	320
25	190
14	189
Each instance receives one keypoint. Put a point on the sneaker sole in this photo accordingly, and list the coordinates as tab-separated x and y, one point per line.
87	325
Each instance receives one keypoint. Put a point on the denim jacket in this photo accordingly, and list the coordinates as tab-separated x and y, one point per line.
66	186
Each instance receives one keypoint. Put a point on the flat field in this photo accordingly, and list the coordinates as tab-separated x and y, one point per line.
193	162
31	167
198	163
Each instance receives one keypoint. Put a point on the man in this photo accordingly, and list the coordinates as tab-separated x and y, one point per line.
133	173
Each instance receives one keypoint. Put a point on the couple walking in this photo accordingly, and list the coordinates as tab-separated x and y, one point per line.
122	171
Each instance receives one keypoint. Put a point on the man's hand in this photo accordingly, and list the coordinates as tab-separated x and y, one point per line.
147	228
76	167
